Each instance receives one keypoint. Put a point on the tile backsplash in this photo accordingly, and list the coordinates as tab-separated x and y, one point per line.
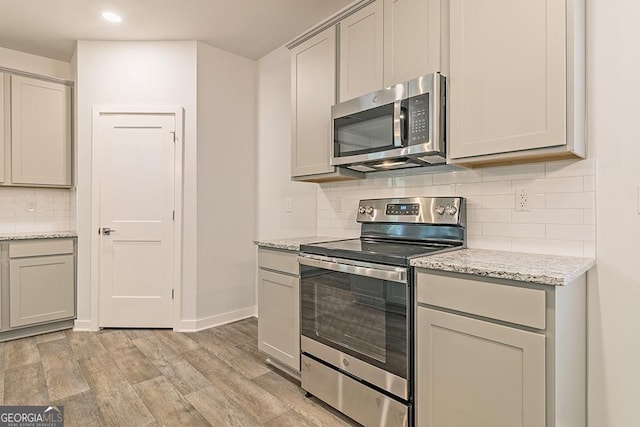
559	217
36	209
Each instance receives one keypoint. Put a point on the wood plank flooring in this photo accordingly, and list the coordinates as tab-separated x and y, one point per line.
133	377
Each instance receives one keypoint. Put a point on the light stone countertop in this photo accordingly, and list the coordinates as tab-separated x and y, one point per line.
37	235
293	244
523	267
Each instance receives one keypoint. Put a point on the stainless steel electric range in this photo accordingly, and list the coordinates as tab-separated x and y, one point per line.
357	306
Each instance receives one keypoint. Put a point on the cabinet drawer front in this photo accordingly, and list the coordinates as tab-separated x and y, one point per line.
502	302
285	261
40	247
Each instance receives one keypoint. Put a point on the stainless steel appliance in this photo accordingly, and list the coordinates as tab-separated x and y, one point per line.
398	127
357	306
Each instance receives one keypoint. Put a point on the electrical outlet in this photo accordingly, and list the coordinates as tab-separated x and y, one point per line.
522	199
31	205
289	203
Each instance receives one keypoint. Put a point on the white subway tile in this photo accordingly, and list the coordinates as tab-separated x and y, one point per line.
549	216
570	168
546	246
571	232
590	216
384	182
6	228
457	177
585	200
536	201
442	190
589	183
506	201
551	185
589	249
413	180
511	172
487	242
515	230
489	215
484	188
474	228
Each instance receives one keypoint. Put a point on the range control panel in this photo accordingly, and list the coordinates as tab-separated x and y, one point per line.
416	210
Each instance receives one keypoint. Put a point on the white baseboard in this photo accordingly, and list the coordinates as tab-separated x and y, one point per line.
216	320
84	326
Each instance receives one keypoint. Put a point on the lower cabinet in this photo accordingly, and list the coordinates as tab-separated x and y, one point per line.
499	353
39	289
475	373
279	307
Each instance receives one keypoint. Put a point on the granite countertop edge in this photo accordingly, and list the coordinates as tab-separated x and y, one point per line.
37	235
293	243
554	270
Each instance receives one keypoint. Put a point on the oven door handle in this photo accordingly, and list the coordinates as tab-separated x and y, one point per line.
383	272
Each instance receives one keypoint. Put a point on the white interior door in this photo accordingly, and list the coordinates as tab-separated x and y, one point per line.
137	186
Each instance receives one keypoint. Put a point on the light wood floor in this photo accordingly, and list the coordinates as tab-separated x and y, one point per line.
129	377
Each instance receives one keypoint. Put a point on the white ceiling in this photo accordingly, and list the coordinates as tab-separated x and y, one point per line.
250	28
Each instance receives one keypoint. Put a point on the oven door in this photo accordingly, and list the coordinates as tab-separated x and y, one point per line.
355	316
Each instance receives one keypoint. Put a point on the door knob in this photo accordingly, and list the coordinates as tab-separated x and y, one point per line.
106	231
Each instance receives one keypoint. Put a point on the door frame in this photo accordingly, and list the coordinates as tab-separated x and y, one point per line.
96	174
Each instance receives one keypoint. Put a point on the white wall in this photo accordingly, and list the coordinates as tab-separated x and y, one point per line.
135	73
614	287
226	195
274	156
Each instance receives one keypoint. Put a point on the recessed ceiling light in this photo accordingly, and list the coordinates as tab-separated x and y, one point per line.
112	17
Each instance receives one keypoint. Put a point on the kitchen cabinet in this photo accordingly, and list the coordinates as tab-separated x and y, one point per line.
279	308
312	95
41	281
361	52
40	132
3	137
412	42
516	80
388	42
493	352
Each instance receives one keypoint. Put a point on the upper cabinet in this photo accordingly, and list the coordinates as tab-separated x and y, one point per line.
3	137
312	95
388	42
516	80
40	133
361	52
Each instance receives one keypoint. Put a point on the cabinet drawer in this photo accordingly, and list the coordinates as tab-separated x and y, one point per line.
284	261
40	247
512	304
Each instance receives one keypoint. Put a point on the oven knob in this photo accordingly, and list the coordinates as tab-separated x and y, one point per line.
440	210
451	210
369	210
361	210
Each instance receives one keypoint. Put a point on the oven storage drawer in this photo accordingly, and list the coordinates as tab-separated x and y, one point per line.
521	306
365	405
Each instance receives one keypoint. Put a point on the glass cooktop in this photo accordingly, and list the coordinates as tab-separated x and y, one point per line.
379	251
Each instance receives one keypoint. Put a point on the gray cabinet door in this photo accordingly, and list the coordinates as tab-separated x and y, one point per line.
41	289
279	317
478	374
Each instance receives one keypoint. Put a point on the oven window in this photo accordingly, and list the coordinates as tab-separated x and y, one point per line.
365	132
358	315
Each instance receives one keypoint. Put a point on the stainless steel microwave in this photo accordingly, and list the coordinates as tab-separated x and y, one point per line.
398	127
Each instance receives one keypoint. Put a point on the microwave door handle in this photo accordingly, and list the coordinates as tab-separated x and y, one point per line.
399	119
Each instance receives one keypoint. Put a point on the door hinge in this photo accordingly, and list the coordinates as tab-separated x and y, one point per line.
173	293
174	135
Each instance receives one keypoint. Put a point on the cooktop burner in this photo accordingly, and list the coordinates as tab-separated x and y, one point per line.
371	250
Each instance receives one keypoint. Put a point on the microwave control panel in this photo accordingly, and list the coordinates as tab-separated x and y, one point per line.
418	119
